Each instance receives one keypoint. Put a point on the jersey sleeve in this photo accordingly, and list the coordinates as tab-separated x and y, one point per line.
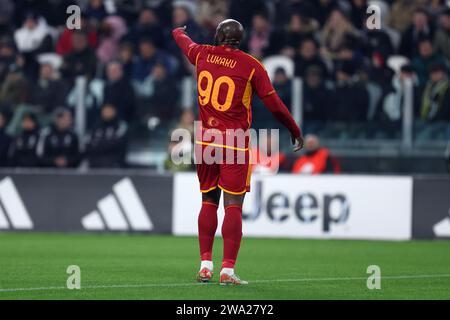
190	48
261	81
264	89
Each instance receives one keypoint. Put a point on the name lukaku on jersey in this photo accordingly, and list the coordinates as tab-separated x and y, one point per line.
222	61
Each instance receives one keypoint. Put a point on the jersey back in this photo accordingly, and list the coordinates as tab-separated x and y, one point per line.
227	78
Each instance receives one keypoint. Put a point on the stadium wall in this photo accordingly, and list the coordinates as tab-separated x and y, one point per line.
74	202
282	206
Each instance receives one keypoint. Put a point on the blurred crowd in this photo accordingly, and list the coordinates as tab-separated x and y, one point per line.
134	71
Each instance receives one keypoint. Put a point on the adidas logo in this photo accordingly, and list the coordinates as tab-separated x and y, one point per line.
442	228
13	214
120	211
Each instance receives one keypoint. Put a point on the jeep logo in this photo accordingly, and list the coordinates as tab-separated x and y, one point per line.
328	209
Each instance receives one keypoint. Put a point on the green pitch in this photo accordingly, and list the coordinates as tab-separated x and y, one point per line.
33	266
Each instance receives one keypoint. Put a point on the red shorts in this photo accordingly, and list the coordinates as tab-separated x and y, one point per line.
231	176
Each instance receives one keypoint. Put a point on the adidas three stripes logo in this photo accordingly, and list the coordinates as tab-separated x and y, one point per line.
13	213
119	211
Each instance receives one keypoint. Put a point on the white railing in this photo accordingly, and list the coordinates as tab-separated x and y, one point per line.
408	114
80	109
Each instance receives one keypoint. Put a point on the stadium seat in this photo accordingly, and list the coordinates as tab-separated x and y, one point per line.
272	63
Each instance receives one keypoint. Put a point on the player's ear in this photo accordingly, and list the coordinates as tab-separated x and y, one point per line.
216	39
219	38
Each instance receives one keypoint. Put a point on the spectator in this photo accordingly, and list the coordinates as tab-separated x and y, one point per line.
182	152
48	91
351	99
286	41
183	15
96	11
54	11
126	55
420	28
442	36
308	56
379	71
391	111
9	61
6	14
377	41
164	100
316	96
129	10
210	12
323	9
5	139
34	36
283	86
401	13
119	91
15	92
259	35
244	13
107	143
147	27
81	61
148	57
426	56
7	57
436	7
335	33
316	160
59	146
15	89
64	45
186	121
358	13
348	54
23	152
111	31
436	96
266	156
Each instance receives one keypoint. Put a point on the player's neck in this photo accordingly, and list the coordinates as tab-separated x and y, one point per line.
229	46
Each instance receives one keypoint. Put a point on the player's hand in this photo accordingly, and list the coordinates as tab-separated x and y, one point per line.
183	28
298	143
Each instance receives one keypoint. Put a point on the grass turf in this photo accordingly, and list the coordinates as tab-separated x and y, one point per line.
164	267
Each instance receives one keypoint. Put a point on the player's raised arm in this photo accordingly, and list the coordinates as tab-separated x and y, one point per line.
189	47
263	87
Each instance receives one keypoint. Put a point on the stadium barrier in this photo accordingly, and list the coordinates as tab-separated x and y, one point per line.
342	207
282	206
76	202
431	203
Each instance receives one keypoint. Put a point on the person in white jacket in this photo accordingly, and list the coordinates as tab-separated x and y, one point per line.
34	35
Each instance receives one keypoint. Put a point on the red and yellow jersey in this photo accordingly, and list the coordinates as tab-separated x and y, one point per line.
226	81
227	78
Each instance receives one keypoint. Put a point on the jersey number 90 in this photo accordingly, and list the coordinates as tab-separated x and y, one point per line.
211	92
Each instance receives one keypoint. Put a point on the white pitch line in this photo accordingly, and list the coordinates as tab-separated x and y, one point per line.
150	285
419	276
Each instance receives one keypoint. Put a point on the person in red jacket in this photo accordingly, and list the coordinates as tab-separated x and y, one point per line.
226	80
316	160
266	155
64	46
